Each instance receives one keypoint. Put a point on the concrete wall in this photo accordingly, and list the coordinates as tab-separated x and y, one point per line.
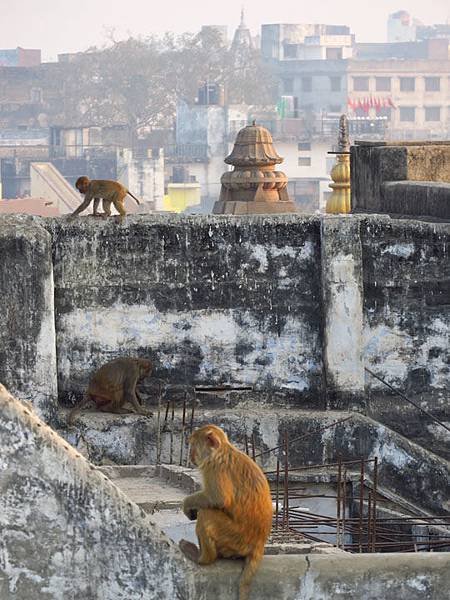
219	300
212	300
27	327
66	531
384	179
69	532
406	296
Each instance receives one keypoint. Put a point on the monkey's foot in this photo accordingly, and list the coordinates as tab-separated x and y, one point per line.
190	550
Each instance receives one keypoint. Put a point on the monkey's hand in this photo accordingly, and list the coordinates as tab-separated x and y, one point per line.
190	506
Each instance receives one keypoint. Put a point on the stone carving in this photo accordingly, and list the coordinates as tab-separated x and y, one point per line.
254	186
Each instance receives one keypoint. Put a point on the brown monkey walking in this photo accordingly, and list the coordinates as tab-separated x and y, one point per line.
109	191
234	508
113	385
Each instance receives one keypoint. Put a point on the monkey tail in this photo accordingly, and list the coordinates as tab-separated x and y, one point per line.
252	561
76	409
133	196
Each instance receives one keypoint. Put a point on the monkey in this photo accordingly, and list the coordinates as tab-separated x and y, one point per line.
234	508
109	191
113	385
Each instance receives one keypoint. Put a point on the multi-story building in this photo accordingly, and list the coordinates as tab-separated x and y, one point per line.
20	57
407	83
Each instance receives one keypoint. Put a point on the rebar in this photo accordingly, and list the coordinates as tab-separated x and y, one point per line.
183	425
361	502
374	505
171	433
338	504
158	432
277	493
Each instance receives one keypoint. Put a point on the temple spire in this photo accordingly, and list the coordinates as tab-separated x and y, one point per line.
242	24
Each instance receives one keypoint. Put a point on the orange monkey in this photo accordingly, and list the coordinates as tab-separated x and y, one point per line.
109	191
234	508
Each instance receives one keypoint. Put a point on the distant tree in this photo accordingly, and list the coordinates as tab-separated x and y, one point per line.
139	81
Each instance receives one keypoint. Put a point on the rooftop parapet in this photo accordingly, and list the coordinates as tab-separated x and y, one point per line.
402	178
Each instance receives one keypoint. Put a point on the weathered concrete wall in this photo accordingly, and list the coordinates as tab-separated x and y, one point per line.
211	300
416	198
133	440
378	168
282	303
406	280
66	531
342	305
27	329
351	577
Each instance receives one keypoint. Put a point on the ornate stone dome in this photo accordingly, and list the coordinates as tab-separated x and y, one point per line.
253	148
254	186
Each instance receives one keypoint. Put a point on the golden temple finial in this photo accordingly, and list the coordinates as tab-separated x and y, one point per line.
339	200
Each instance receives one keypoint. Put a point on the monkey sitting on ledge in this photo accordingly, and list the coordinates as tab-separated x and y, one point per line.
109	191
113	385
234	508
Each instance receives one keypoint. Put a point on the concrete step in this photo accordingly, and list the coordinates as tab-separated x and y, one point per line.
408	470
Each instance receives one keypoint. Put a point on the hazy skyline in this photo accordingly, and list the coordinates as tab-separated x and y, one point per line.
67	27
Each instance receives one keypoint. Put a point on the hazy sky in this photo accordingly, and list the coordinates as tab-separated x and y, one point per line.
70	25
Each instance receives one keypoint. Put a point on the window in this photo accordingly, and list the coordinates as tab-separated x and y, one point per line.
407	84
432	84
304	161
432	113
383	84
290	50
407	113
333	53
335	84
304	146
36	95
288	86
334	108
306	84
361	84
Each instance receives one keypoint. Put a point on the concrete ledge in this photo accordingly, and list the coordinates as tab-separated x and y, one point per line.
418	198
334	577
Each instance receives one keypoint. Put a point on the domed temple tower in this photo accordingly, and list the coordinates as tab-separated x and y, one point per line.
254	187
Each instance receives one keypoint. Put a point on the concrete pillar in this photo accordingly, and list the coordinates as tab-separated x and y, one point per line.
343	311
27	327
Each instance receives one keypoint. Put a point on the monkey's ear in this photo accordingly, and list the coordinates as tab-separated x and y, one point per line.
213	440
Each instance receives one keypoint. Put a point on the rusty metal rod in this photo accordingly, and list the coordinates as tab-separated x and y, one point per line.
323	465
158	433
183	425
361	502
374	505
277	493
338	504
171	433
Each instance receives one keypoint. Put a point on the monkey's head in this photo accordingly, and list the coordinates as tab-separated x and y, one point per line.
205	442
145	368
82	184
